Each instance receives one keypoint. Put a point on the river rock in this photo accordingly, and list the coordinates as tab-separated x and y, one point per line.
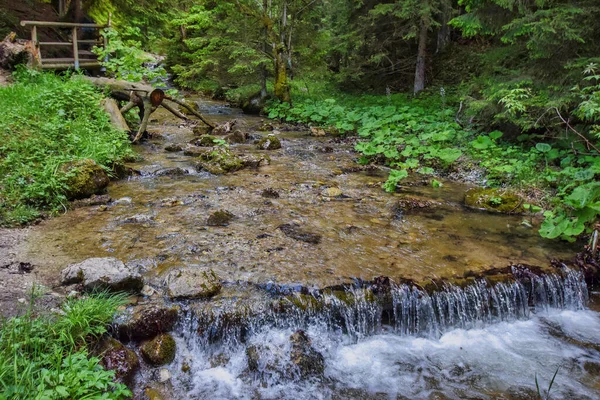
94	200
195	151
236	136
494	200
146	321
315	131
254	162
219	161
172	148
224	128
307	360
220	218
116	357
269	142
204	141
332	192
103	273
193	283
160	350
84	178
294	231
200	130
171	172
270	193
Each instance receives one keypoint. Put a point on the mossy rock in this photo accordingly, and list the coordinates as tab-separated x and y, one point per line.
220	218
201	130
114	356
204	141
160	350
219	161
269	142
147	321
84	178
193	283
153	394
494	200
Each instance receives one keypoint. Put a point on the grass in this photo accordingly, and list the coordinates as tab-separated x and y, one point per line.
45	356
46	121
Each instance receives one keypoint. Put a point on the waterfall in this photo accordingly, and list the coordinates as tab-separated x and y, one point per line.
403	309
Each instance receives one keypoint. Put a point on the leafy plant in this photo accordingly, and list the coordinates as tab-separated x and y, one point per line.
44	357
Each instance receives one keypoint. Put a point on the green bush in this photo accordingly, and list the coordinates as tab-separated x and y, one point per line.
44	357
46	121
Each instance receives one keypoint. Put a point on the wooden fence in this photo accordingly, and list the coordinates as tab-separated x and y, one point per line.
81	58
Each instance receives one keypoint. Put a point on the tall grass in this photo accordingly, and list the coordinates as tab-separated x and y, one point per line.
46	121
45	356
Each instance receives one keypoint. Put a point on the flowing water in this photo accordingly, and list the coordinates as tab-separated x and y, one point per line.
400	342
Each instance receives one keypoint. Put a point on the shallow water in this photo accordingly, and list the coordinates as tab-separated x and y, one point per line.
362	234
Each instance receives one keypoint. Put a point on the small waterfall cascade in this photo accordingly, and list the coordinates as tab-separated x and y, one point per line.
363	310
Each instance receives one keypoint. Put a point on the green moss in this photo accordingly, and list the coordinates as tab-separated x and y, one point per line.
220	218
269	142
494	200
84	178
219	161
205	141
160	350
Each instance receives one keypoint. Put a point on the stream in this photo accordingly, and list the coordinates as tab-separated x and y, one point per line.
476	342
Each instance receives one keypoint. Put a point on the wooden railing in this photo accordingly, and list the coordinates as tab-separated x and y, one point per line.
80	59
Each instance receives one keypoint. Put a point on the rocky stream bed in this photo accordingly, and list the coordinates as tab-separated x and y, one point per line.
278	268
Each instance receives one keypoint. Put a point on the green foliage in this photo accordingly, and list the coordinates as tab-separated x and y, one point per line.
44	357
124	59
47	121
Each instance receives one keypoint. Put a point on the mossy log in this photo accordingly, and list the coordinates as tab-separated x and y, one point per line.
146	98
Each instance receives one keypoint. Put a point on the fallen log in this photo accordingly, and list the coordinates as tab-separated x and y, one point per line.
146	98
116	118
15	51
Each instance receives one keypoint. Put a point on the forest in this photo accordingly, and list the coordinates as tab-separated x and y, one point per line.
360	199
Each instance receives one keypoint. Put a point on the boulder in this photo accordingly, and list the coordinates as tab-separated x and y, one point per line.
201	130
254	162
269	142
160	350
103	273
494	200
146	321
116	357
307	360
176	171
84	178
193	283
270	193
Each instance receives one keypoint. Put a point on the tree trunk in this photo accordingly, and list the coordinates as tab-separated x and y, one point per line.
421	54
282	89
263	67
443	36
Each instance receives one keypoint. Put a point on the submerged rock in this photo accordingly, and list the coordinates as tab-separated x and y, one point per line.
307	360
494	200
220	218
270	193
103	273
332	192
254	162
95	200
146	321
195	151
160	350
295	232
269	142
116	357
193	283
84	178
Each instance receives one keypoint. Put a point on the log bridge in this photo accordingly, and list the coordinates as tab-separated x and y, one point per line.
81	58
146	98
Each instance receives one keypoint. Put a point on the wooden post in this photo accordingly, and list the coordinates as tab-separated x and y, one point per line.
37	54
75	49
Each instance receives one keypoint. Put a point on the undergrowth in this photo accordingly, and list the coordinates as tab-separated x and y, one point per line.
44	357
46	121
421	135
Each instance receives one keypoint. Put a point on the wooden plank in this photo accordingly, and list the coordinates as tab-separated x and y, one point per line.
54	43
75	48
61	24
82	64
